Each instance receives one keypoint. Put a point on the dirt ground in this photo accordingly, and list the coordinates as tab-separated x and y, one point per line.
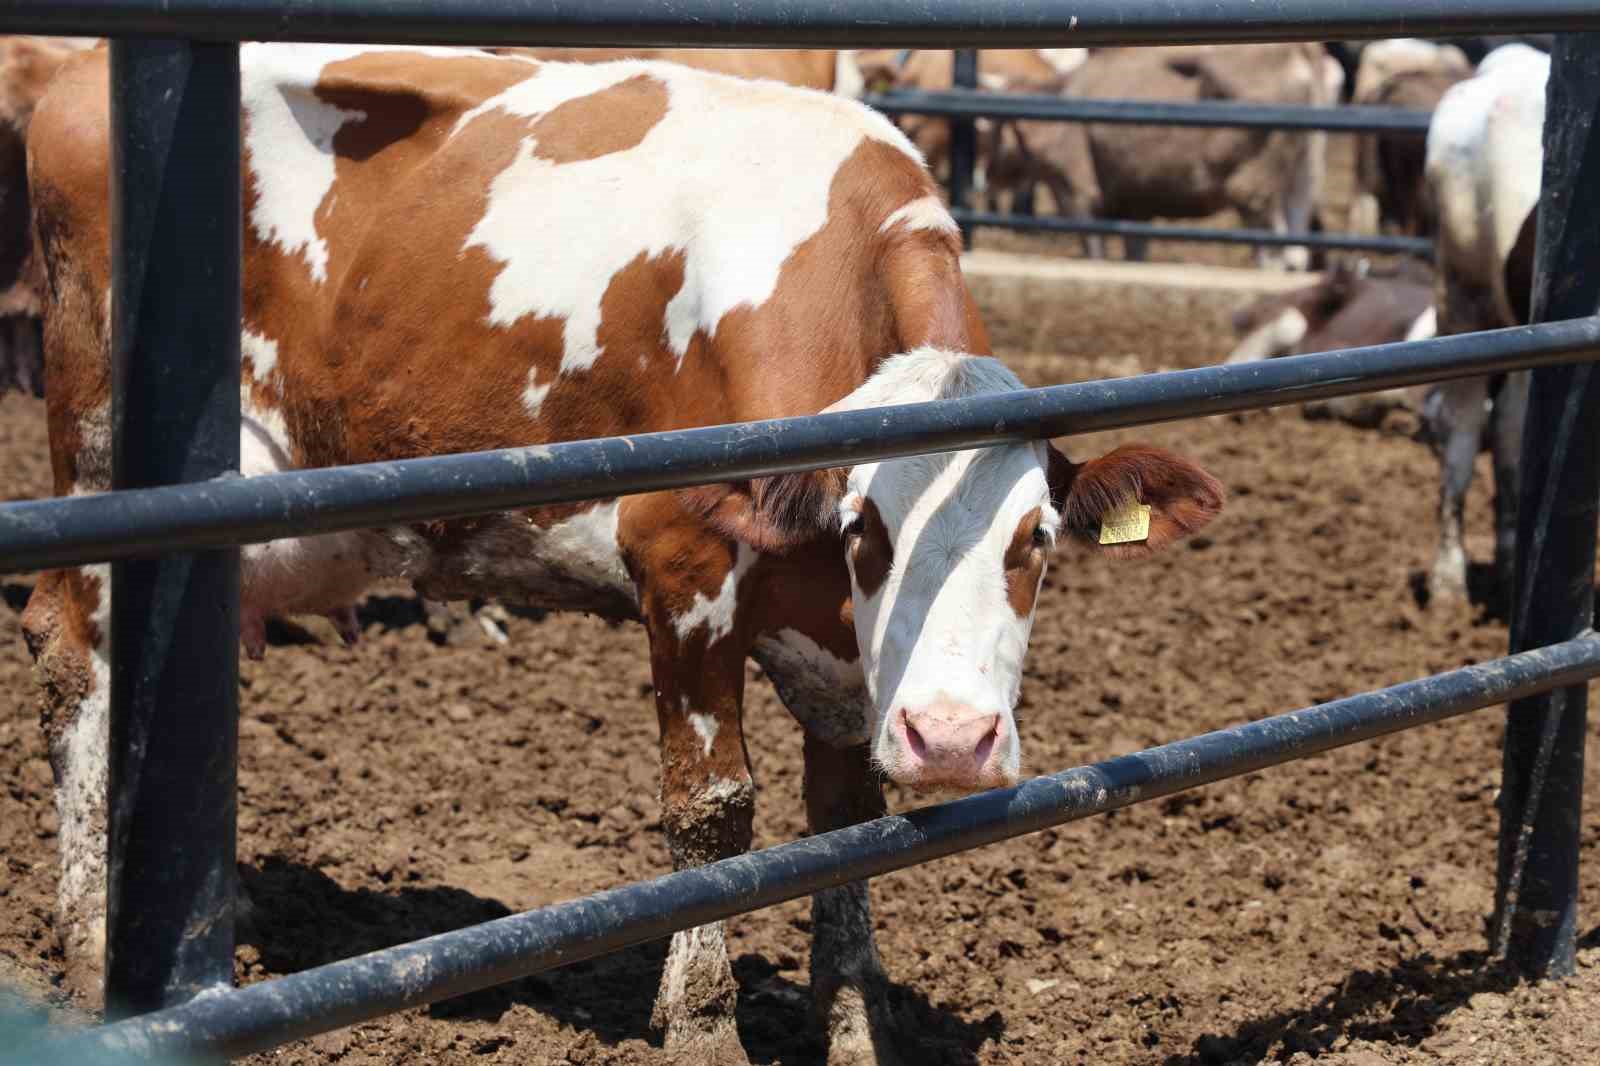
1328	911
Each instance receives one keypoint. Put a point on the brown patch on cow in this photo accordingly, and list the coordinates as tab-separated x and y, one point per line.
871	552
1182	496
69	141
614	119
1024	564
58	626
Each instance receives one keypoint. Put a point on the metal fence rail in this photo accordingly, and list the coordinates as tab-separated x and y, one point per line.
972	103
1111	227
81	529
794	23
450	964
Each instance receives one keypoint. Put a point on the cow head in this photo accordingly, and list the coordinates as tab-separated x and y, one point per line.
946	554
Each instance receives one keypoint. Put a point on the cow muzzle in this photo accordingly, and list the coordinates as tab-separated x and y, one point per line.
945	744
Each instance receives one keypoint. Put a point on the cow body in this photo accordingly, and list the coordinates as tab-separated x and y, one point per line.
1346	308
27	65
1271	177
1390	186
590	250
1484	164
830	71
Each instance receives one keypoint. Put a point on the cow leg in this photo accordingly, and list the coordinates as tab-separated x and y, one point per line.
848	985
707	805
1457	416
67	625
1505	442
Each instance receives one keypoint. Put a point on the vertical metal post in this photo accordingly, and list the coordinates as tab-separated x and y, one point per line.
174	620
1536	897
963	139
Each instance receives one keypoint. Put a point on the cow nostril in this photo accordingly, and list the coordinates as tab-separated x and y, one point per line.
914	741
986	745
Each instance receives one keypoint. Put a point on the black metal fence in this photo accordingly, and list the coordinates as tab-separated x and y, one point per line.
965	103
174	520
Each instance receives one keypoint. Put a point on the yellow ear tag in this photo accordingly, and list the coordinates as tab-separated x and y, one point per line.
1126	523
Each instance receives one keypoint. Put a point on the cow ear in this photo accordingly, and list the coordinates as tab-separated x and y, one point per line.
1182	497
772	514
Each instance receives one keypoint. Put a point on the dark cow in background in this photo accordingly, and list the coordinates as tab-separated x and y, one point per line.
1485	157
724	250
1391	191
1272	178
1348	307
27	65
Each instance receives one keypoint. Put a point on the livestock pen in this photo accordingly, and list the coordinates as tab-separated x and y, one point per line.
178	123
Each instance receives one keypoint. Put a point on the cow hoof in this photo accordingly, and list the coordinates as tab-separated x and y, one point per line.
705	1042
861	1031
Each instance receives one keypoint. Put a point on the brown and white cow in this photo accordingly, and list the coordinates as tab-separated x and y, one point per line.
1348	307
1273	178
1484	168
447	252
27	64
1391	192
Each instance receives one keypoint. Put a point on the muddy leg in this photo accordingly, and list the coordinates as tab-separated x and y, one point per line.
68	630
1510	412
1457	416
707	804
847	980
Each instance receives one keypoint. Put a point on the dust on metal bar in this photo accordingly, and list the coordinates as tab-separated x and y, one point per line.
1418	246
343	993
72	531
958	103
794	23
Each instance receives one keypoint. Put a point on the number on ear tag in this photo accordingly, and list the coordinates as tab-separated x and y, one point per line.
1126	524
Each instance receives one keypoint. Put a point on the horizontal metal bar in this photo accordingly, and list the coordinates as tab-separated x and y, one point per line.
70	531
965	103
450	964
1110	227
795	23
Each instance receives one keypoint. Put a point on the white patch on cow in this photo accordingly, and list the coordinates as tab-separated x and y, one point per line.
995	83
1424	327
585	547
1485	159
705	726
85	768
1274	337
694	949
712	205
847	79
827	695
940	629
261	351
926	212
289	134
1064	60
716	613
533	396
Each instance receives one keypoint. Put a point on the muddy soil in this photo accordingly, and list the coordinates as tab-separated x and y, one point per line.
1327	911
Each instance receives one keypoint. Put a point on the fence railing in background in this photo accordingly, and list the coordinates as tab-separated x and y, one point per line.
1540	814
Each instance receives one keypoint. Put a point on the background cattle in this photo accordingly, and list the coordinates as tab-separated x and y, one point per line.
1348	307
27	64
1484	161
1391	189
1273	178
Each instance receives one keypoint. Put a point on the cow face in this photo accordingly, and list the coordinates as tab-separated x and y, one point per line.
946	554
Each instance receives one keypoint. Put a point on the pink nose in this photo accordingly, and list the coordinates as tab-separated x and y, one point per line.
953	744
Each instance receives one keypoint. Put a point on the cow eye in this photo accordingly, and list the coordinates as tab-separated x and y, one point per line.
853	526
1041	537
